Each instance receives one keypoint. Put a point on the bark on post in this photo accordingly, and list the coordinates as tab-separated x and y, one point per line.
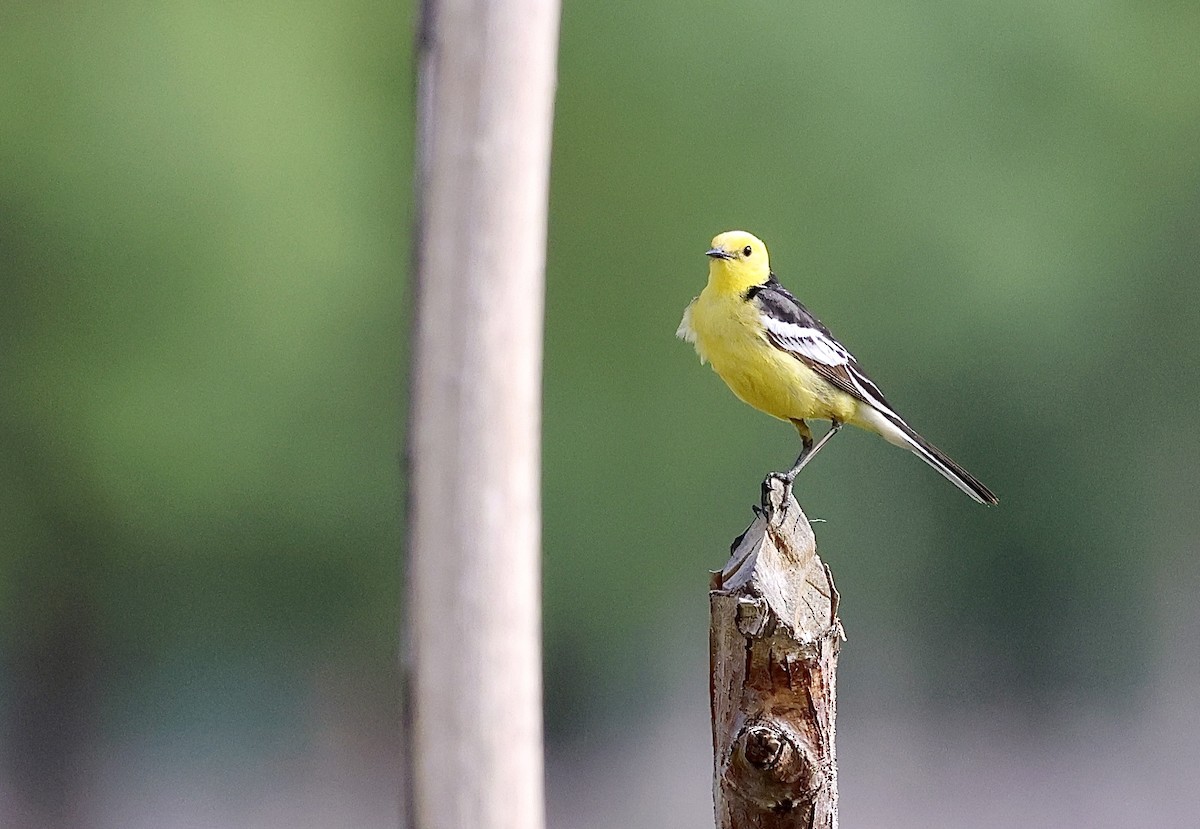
474	717
774	637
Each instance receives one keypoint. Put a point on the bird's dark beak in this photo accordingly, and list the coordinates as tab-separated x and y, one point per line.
718	253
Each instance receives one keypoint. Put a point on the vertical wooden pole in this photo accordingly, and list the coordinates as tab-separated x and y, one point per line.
774	640
486	87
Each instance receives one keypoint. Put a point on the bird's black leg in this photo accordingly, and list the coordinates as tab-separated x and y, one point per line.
809	449
806	447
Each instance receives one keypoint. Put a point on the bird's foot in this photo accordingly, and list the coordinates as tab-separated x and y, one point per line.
784	478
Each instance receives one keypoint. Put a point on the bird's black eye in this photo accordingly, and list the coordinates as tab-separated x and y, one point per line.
746	251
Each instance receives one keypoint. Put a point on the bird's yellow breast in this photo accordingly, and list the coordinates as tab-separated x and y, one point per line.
727	332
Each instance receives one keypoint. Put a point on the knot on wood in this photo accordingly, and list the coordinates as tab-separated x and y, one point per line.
770	767
763	746
753	616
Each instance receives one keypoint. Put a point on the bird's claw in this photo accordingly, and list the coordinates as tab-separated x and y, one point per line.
784	479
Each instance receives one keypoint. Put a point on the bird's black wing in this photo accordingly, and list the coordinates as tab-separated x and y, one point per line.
794	329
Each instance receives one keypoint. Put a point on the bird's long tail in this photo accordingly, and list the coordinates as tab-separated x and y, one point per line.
954	473
896	431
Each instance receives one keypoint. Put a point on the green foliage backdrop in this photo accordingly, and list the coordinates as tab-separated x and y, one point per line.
205	215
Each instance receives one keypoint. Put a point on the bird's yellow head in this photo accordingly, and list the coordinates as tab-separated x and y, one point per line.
739	261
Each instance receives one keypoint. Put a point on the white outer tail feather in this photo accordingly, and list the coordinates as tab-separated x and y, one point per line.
899	433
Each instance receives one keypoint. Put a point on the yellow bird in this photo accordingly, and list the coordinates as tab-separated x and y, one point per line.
776	356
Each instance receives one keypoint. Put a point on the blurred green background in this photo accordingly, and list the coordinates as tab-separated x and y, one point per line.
205	215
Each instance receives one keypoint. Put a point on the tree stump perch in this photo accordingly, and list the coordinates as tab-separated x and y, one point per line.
774	638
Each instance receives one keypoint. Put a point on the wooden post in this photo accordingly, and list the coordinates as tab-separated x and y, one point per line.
474	716
774	637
